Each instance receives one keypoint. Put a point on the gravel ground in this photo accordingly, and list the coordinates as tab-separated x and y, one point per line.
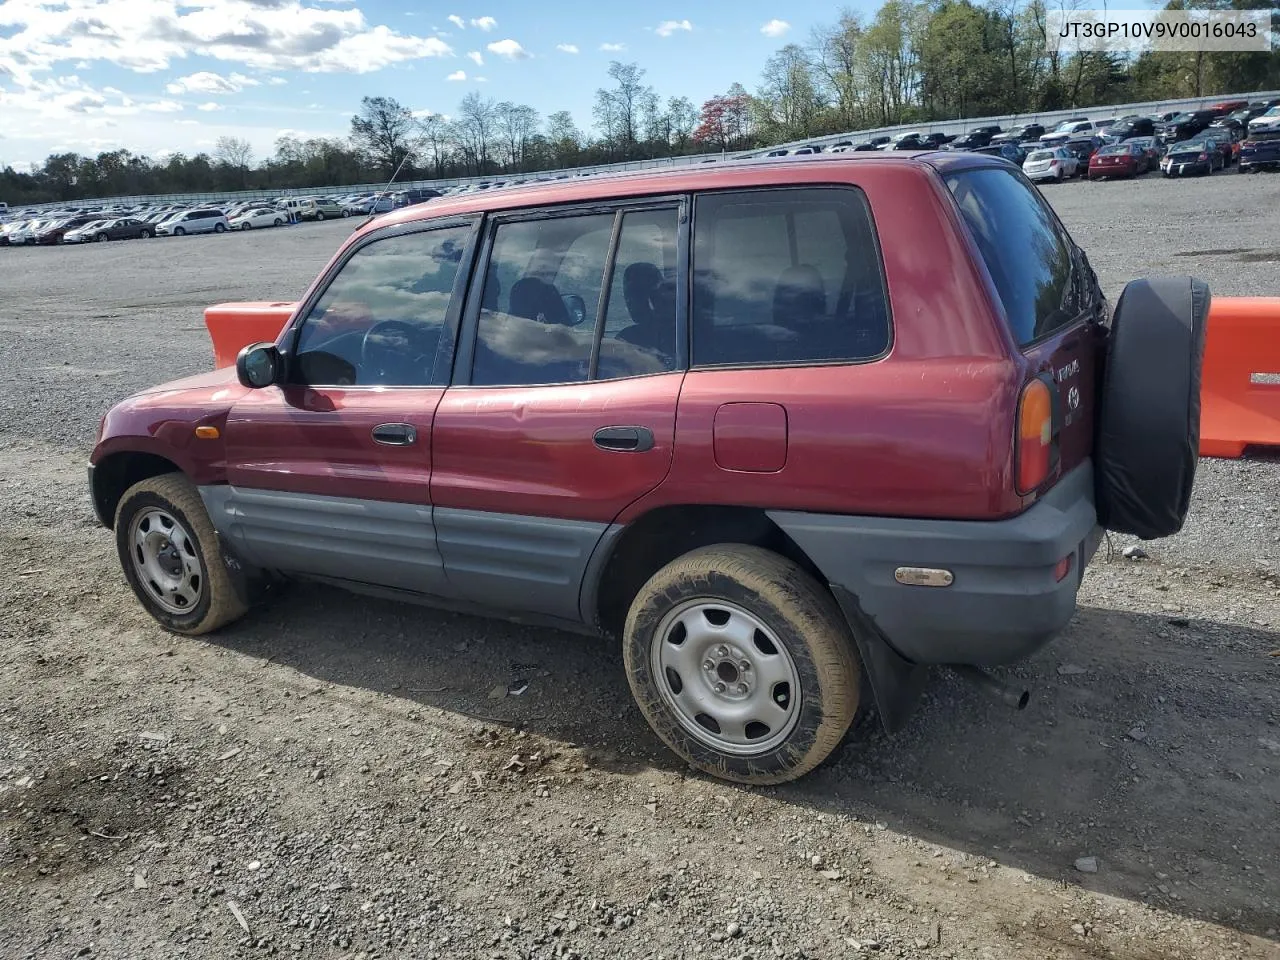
330	777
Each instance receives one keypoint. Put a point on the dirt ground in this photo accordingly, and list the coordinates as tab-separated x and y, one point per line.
337	776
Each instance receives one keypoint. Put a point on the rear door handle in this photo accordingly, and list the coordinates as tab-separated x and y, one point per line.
624	439
395	434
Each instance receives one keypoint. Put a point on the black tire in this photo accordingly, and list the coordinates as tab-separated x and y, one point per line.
219	228
319	215
1148	431
278	221
346	213
101	238
803	617
144	235
179	232
246	225
218	602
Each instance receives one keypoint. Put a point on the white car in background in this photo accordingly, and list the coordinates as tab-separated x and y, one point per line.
84	233
25	232
1265	122
1050	163
257	217
1067	130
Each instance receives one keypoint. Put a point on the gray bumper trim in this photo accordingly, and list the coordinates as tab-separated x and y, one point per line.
1005	601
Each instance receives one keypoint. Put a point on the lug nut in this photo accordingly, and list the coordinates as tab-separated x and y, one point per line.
708	665
720	688
745	665
742	688
722	651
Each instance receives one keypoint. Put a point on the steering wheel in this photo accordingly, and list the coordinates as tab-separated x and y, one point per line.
395	350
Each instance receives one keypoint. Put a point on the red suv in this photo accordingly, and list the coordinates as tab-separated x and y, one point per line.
773	426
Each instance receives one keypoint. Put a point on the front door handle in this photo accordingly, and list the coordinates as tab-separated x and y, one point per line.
624	439
395	434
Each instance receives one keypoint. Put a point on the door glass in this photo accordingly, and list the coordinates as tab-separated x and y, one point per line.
381	321
541	292
639	334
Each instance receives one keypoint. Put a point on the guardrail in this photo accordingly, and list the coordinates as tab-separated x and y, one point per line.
960	126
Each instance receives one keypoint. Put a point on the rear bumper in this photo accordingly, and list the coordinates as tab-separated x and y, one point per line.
1005	601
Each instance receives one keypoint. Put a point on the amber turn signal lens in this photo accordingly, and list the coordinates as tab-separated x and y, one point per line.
1063	568
207	433
1035	436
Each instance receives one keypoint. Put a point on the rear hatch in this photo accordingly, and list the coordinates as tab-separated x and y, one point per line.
1055	312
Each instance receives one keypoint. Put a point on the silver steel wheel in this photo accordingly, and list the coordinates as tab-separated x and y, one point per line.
729	680
166	560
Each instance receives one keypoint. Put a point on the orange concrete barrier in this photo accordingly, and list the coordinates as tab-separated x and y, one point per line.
1240	383
235	325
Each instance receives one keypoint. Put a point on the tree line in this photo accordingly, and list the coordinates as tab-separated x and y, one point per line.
914	61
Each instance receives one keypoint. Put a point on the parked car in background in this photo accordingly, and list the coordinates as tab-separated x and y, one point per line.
1125	159
1066	130
257	217
123	228
1126	128
1265	121
1152	147
1226	141
53	231
414	195
1021	133
971	140
1199	156
201	220
1050	163
1012	152
1260	151
1083	149
82	233
1186	125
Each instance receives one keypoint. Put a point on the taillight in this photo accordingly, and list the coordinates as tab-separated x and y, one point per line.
1035	436
1053	163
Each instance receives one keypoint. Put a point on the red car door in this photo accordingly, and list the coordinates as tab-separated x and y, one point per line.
329	472
563	406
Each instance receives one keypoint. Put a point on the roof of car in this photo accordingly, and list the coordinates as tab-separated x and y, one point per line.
745	173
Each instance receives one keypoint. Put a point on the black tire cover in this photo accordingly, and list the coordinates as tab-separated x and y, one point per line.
1148	434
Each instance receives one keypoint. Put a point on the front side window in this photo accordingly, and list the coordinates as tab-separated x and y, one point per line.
1027	254
541	319
381	322
787	276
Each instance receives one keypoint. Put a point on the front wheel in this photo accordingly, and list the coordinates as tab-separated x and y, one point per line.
101	238
171	556
277	221
145	235
246	225
742	663
179	232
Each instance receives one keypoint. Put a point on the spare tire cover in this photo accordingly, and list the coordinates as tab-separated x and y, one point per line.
1148	435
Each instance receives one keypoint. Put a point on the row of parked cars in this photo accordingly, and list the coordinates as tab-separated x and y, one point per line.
86	224
1175	142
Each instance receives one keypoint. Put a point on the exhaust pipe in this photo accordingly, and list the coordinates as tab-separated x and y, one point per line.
997	689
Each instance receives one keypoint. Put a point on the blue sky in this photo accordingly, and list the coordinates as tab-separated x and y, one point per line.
174	75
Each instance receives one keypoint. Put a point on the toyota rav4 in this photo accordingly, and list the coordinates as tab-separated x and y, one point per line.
775	428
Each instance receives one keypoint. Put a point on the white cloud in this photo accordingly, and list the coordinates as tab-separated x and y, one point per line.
484	23
209	107
482	79
208	82
612	47
474	55
509	49
457	75
277	81
146	36
163	106
566	47
457	21
775	28
667	27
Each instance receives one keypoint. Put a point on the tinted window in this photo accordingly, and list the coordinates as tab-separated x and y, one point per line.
639	333
381	320
1026	252
786	276
541	294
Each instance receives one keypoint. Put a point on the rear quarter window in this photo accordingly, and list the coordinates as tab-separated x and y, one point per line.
1026	251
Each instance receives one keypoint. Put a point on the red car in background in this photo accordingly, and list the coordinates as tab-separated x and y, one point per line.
1119	160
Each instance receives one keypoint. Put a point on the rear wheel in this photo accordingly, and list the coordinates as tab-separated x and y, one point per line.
171	556
319	215
277	221
742	663
219	228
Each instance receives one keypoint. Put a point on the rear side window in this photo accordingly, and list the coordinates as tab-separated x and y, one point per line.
787	276
1025	250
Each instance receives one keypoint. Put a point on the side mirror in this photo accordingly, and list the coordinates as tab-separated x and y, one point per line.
576	306
258	365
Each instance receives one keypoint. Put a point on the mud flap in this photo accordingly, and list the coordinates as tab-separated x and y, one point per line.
896	683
